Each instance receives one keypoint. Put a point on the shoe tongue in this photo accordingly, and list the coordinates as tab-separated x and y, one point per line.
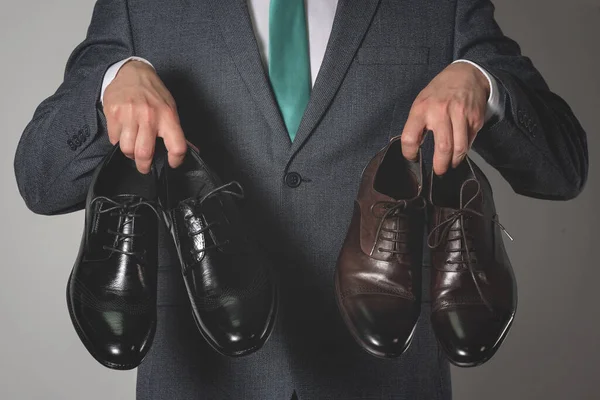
211	208
212	212
124	224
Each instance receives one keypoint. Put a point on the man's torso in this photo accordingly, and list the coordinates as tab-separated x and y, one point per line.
379	56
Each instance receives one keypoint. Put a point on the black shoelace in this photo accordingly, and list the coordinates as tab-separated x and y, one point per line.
466	250
228	188
393	209
125	210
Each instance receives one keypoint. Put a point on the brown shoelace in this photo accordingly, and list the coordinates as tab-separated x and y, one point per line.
393	209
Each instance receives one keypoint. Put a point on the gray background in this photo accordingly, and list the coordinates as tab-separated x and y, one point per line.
554	346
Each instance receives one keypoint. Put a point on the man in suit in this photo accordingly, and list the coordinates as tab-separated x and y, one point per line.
294	111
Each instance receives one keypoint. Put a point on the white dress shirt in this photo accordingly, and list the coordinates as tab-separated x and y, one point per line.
320	15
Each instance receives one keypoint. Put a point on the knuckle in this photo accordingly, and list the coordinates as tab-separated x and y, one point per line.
169	111
143	153
459	107
435	110
408	139
112	110
460	150
477	123
146	112
441	107
461	96
127	107
444	147
172	103
178	149
126	149
419	106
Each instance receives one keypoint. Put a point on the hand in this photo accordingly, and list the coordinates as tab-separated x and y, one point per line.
138	109
453	107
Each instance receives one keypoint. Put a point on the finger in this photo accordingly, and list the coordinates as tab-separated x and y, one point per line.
113	127
474	126
443	144
172	134
127	138
412	135
144	148
472	135
460	137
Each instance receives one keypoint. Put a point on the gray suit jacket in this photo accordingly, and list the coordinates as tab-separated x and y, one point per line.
381	53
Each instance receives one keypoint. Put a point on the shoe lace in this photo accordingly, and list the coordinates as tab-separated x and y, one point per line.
125	210
393	209
466	250
232	188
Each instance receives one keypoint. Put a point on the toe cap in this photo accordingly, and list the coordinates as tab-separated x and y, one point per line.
239	326
117	340
469	336
383	324
121	355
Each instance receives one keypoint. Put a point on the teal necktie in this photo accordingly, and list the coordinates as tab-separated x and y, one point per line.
289	67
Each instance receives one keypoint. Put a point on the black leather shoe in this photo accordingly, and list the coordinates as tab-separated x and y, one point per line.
228	280
111	293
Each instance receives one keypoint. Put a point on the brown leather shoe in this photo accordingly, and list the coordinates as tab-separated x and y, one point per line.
473	288
378	273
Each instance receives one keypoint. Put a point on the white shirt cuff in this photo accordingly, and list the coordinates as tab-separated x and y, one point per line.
112	71
494	104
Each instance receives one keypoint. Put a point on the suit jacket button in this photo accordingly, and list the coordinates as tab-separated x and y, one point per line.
72	145
293	179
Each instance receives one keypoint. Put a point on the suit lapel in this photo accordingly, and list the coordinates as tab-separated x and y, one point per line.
351	22
352	19
234	20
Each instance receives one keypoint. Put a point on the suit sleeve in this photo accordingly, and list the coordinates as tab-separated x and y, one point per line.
67	138
538	145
